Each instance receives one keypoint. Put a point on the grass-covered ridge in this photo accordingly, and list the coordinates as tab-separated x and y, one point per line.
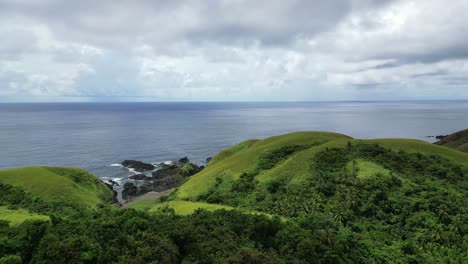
308	197
242	157
394	193
58	185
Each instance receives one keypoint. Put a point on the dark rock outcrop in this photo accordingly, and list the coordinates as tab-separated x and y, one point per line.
181	162
137	165
169	171
169	176
160	185
208	159
113	183
130	190
163	165
140	177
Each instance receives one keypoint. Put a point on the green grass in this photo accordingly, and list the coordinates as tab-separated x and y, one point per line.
187	208
59	184
412	145
184	207
244	157
367	169
143	205
18	216
180	207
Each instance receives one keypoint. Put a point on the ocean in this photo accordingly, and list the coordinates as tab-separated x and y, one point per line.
94	136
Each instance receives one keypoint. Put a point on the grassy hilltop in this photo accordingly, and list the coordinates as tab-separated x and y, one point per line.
398	194
288	159
306	197
46	189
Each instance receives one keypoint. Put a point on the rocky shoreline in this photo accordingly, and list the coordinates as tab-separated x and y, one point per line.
155	178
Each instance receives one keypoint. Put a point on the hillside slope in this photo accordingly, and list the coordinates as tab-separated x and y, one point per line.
48	190
243	157
404	198
457	140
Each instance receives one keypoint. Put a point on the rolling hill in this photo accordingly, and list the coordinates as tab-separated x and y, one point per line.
306	197
400	196
457	140
49	189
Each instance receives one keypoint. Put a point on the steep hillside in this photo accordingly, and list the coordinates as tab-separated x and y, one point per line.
51	189
404	198
244	157
458	141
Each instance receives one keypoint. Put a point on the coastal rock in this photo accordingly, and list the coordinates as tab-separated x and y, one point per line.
169	171
164	165
169	176
181	162
140	177
137	165
208	159
113	183
114	197
189	169
129	190
439	137
160	185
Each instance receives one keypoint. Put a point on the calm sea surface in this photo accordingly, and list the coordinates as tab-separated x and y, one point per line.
95	135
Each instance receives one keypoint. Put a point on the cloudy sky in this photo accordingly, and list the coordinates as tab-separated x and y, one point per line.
233	50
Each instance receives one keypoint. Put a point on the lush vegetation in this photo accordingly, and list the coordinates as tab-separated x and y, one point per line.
16	215
58	185
405	200
298	198
129	236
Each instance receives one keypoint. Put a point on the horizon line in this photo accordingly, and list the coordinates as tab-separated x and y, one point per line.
308	101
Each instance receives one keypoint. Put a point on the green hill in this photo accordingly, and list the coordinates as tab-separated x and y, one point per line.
308	197
293	165
244	157
51	189
398	194
457	140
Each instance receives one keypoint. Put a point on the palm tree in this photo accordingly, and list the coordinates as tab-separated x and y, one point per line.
326	234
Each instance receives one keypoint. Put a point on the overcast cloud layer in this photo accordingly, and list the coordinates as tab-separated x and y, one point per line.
233	50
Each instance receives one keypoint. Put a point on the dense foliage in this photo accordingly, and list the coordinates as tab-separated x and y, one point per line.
15	197
413	209
361	203
128	236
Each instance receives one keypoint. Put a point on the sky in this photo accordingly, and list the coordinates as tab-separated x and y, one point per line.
233	50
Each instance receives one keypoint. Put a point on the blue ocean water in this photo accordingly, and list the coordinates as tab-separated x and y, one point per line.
95	135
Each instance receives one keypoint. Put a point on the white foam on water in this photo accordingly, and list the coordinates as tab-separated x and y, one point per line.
116	165
132	171
111	181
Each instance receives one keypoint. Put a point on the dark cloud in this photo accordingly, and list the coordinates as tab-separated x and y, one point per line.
273	22
269	22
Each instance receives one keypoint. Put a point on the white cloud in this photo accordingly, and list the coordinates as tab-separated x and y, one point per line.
234	50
